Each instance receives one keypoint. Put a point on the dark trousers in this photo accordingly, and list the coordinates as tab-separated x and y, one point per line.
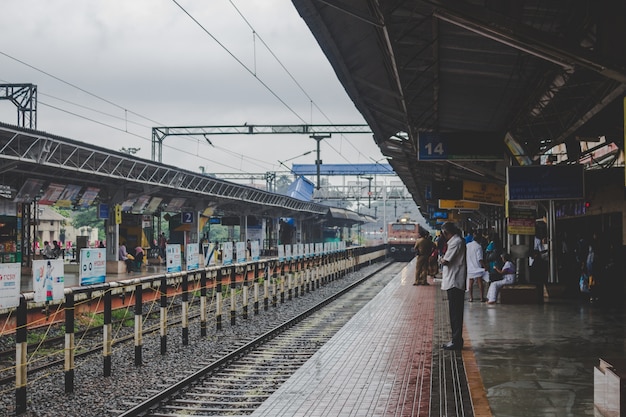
456	298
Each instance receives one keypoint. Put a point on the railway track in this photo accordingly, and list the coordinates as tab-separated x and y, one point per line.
239	382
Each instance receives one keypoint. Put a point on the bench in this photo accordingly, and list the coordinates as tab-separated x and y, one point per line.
521	294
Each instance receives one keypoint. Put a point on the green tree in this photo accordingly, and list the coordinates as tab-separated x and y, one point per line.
89	218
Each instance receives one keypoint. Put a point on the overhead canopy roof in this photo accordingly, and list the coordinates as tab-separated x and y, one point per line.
543	72
124	179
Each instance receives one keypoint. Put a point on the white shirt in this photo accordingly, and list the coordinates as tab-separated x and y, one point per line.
474	256
454	274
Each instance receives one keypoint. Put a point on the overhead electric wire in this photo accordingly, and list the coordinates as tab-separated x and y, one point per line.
110	115
75	86
272	92
157	123
141	137
293	78
91	109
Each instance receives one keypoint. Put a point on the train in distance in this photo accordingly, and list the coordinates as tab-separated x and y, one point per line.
401	236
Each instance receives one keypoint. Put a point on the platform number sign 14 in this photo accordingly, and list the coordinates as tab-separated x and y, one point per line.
461	146
434	148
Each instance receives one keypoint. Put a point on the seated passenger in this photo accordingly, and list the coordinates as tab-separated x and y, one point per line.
123	256
508	277
138	258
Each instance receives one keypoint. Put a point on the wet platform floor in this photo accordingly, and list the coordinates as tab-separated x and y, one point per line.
519	360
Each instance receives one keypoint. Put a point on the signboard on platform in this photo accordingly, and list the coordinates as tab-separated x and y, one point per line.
460	146
103	211
10	280
88	197
210	254
458	204
241	252
227	253
48	280
192	257
483	192
93	266
173	258
68	196
546	182
254	250
521	217
52	194
281	253
29	191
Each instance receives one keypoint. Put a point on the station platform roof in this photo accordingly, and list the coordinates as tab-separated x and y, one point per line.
534	74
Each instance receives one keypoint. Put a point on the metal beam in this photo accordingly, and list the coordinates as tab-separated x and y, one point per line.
160	133
65	160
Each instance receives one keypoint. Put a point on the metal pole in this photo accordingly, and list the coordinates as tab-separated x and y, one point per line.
107	345
185	309
218	300
163	316
69	343
233	300
21	346
138	324
203	315
551	235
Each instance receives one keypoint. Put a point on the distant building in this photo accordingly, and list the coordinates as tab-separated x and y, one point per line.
50	225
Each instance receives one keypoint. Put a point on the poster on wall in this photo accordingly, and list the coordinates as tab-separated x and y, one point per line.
48	280
93	266
192	256
10	279
172	258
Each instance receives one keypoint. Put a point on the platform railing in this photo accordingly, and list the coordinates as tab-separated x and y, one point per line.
148	303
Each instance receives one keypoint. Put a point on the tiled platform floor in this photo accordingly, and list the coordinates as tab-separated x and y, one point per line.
519	360
379	364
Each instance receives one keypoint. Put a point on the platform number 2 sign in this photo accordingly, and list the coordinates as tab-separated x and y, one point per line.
186	217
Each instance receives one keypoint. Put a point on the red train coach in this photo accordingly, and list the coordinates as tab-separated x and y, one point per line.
401	237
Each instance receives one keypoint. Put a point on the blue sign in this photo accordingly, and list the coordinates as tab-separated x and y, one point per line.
460	146
546	182
186	217
103	211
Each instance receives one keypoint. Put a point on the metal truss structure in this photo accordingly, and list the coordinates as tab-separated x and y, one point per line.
316	131
30	154
24	96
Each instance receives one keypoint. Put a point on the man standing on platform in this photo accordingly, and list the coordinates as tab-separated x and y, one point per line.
424	248
454	276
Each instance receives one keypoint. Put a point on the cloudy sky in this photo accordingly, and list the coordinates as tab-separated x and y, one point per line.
107	71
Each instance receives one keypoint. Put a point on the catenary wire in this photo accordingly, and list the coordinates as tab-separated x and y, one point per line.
292	77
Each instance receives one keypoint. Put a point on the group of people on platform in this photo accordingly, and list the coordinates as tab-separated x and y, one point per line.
461	260
475	257
133	260
53	251
485	261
